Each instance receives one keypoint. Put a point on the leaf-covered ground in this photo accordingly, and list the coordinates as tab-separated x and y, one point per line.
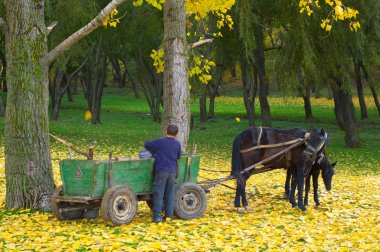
348	220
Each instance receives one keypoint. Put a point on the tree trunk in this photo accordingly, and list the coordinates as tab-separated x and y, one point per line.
373	89
249	88
304	89
3	74
359	87
203	109
213	90
176	82
126	75
29	177
2	106
56	86
346	110
263	82
99	67
118	76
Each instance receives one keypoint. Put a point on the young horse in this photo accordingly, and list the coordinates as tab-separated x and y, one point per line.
251	146
327	169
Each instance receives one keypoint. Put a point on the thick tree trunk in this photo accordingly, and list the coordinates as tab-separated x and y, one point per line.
263	82
176	82
359	87
29	177
345	114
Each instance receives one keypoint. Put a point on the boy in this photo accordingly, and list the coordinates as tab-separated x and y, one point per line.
167	151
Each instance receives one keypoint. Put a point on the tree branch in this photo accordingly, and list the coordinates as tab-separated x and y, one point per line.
51	26
199	43
3	25
81	33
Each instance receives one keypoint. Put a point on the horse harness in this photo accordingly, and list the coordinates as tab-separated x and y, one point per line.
310	151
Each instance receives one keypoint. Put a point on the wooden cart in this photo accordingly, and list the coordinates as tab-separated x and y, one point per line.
115	187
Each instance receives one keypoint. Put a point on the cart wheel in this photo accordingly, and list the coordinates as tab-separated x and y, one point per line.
57	206
190	201
119	205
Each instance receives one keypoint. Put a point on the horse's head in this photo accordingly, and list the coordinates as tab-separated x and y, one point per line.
316	141
327	172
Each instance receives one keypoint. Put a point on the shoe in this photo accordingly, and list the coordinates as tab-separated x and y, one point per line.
157	220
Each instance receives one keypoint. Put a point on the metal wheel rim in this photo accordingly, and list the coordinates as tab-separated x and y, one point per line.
190	201
119	202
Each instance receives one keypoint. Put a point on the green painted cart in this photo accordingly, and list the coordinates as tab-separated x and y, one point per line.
115	187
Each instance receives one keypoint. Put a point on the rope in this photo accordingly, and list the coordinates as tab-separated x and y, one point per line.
202	169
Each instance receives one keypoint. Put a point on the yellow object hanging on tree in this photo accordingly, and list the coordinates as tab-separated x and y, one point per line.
88	115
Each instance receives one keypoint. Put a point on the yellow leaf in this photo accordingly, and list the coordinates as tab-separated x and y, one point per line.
88	115
237	119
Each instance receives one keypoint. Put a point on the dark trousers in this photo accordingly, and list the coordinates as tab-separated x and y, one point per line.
163	190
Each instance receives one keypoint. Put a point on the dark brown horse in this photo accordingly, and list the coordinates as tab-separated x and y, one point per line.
256	144
321	164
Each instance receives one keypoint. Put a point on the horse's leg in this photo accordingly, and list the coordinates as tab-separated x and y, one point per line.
300	183
293	188
307	189
315	188
244	197
287	184
238	193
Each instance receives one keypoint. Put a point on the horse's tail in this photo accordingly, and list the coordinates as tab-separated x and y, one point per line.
236	161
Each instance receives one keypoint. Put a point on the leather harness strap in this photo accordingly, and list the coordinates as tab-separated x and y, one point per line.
271	145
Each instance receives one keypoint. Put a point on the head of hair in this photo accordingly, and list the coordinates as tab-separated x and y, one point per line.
172	130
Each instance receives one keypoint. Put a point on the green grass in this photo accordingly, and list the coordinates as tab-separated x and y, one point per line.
127	123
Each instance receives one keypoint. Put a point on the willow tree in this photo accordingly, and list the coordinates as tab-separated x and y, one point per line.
28	169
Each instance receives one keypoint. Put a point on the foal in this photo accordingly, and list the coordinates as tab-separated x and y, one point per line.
322	164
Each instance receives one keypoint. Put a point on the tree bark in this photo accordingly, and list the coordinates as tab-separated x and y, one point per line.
176	82
373	89
118	76
304	89
344	109
249	87
203	109
2	106
28	169
263	82
359	88
3	75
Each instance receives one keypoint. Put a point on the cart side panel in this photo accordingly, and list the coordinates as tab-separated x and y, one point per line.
77	177
136	174
99	186
188	169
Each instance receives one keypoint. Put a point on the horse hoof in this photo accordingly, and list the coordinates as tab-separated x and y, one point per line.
248	209
240	210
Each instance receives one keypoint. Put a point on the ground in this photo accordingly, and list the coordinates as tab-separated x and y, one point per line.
348	219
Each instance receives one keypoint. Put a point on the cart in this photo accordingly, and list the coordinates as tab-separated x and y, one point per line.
116	186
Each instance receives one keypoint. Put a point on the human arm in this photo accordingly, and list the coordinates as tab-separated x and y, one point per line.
150	146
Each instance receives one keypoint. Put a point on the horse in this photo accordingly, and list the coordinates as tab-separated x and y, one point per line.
256	144
322	164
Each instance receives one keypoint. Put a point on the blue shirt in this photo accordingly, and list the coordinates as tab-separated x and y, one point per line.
167	151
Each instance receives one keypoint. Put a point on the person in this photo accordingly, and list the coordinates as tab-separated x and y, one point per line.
167	151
